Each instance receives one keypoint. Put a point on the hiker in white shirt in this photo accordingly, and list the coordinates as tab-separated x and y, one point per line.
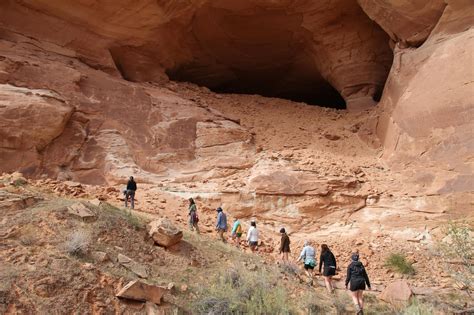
252	236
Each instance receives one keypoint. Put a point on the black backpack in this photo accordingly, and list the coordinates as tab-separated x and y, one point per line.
358	270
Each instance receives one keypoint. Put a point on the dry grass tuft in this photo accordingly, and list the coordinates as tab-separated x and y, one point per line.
77	244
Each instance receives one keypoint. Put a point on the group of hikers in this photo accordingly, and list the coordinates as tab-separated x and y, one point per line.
356	278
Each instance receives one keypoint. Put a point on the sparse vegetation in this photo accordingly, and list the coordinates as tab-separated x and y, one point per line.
457	251
312	304
341	301
19	182
77	243
28	237
417	308
133	220
290	269
399	263
240	292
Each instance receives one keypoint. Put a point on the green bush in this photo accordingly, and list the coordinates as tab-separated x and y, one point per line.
398	263
242	292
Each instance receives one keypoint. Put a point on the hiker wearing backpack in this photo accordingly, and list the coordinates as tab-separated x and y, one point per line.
308	255
355	282
329	261
237	232
193	216
284	245
221	225
130	192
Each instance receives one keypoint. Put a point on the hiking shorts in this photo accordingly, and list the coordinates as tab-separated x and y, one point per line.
307	266
329	271
253	244
239	235
357	284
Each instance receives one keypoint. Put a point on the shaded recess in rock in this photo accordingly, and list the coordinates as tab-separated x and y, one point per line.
265	52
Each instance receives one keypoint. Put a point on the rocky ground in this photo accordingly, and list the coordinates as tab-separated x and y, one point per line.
39	273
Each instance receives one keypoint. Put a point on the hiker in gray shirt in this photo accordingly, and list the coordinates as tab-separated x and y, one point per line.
308	255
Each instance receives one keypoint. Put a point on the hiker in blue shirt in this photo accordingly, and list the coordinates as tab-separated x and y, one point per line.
221	225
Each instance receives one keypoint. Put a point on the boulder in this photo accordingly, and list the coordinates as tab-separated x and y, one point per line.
397	291
139	291
137	268
164	233
81	211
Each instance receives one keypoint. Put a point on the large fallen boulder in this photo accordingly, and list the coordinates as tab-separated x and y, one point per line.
164	233
396	292
139	291
135	267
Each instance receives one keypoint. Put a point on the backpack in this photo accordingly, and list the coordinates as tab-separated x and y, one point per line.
238	229
358	270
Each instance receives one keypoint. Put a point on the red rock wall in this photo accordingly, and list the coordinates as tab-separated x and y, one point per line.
427	108
259	46
82	50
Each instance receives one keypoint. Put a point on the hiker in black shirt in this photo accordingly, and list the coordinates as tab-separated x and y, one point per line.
356	280
327	258
130	192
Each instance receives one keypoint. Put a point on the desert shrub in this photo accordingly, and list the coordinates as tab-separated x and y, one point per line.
113	213
134	221
19	182
416	307
341	301
457	252
374	306
28	236
290	269
311	304
398	263
77	243
241	292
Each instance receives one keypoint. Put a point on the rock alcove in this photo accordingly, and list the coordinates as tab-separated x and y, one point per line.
327	53
287	53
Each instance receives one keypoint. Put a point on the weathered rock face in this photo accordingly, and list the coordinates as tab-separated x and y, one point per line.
92	78
299	49
29	120
425	125
407	22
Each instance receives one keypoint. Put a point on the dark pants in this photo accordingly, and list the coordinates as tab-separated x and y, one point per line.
131	194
